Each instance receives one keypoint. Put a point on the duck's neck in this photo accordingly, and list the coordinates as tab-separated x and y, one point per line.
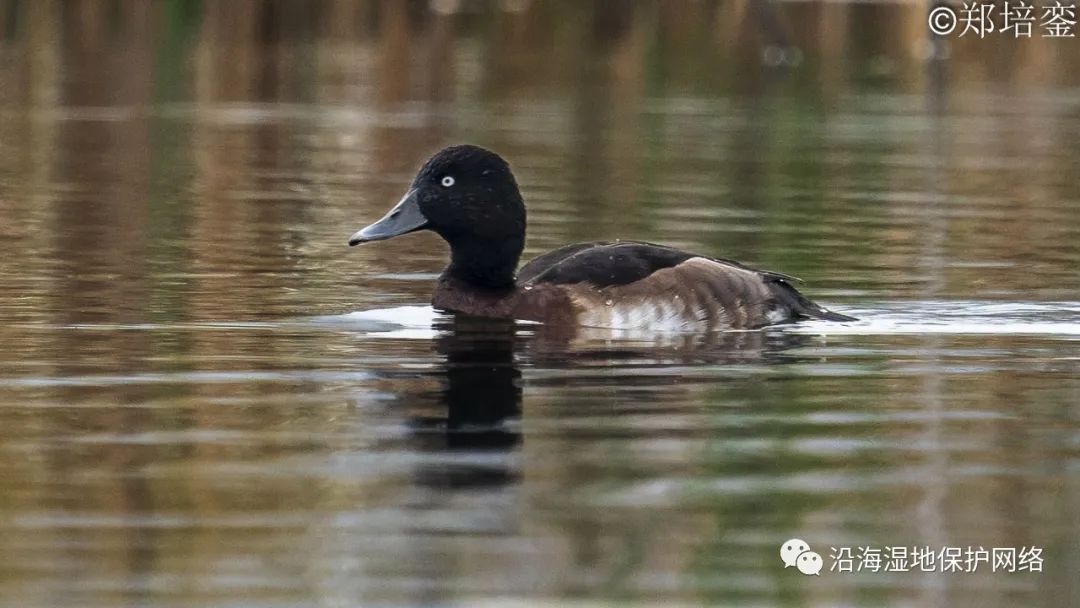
485	264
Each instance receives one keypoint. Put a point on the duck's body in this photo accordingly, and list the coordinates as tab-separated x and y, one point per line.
469	197
634	285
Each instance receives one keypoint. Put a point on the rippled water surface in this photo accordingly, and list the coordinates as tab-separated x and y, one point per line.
207	399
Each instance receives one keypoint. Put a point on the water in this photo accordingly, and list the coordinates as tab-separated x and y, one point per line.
207	399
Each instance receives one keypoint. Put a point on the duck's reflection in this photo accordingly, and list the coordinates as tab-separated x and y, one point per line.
477	424
482	399
483	386
475	481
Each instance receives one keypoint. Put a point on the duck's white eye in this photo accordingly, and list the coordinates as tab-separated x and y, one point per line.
447	181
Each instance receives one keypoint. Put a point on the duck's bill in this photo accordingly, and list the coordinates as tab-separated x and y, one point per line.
404	218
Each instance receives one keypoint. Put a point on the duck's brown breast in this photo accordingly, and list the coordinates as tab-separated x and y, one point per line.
543	303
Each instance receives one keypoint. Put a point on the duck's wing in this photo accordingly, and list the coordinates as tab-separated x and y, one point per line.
552	259
630	279
617	262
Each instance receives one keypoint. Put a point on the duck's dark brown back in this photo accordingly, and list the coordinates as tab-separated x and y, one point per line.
640	285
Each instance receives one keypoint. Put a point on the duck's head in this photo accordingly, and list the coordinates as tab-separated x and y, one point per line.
468	196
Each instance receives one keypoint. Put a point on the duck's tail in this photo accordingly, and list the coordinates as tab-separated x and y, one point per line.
801	306
828	315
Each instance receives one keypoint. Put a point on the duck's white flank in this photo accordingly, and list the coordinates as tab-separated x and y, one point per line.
697	295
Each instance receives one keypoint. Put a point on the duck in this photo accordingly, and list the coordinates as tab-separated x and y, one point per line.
468	196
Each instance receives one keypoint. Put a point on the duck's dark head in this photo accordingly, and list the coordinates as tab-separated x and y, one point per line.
468	196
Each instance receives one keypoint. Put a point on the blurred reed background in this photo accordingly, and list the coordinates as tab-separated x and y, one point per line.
165	113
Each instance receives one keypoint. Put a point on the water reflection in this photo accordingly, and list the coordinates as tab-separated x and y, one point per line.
479	407
483	383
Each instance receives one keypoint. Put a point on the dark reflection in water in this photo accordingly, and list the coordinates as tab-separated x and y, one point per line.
483	385
479	407
482	402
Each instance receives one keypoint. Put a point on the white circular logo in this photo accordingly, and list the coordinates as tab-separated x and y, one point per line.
942	20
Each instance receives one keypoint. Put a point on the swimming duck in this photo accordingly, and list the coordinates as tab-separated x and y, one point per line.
468	196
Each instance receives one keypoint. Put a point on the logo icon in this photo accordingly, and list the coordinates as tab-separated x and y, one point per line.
796	552
790	550
942	20
810	563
